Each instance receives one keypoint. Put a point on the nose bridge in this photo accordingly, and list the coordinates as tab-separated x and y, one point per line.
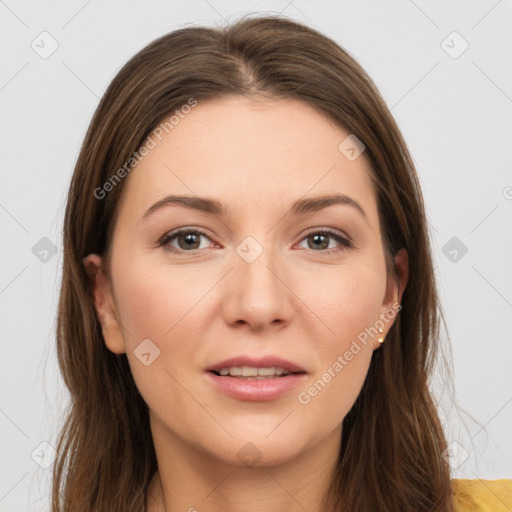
256	293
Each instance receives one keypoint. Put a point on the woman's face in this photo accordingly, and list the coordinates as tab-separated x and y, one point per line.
262	279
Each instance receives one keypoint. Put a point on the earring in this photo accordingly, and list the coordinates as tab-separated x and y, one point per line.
381	338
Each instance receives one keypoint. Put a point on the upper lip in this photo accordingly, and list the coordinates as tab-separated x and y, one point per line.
256	362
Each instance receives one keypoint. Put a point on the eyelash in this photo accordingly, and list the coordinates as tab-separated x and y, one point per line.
166	239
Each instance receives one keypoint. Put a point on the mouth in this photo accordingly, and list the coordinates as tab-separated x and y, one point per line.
255	379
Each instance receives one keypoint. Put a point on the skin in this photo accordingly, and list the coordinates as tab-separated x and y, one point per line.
298	300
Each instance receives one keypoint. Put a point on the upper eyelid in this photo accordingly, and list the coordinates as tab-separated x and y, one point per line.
329	231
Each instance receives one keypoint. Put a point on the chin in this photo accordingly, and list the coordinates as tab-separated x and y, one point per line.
257	450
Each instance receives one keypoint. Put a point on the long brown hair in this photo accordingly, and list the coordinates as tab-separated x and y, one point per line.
390	457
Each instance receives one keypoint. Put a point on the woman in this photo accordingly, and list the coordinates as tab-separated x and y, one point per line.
248	315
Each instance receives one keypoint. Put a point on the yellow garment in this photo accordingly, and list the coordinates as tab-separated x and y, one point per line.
482	495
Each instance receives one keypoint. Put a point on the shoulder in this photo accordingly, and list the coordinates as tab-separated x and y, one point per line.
482	495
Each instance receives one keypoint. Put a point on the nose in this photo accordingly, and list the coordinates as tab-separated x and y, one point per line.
258	293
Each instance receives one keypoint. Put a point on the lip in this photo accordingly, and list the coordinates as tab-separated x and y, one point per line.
256	362
257	390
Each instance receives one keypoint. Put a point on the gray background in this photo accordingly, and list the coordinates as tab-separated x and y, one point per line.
455	112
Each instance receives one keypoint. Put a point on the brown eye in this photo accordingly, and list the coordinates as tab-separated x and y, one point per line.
187	240
320	241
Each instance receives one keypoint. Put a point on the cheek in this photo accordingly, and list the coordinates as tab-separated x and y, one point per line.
344	299
155	301
348	305
161	305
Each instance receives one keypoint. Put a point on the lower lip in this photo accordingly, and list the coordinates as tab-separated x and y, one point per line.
257	390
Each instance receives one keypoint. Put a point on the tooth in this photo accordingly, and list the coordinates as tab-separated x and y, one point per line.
247	371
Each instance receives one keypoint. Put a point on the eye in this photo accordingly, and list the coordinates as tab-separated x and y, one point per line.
320	240
188	240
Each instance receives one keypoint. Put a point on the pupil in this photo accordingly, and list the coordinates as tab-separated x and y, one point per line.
324	242
189	237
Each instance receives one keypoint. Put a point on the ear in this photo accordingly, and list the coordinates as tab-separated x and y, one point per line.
395	288
104	304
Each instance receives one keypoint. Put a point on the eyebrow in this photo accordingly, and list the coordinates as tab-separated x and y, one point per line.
299	207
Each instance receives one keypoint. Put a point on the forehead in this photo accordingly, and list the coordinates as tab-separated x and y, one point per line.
248	153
